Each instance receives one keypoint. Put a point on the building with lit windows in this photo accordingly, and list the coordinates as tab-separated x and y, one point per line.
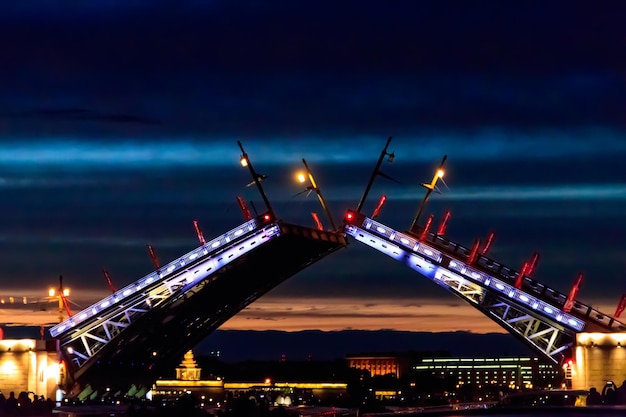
512	372
212	392
381	364
30	365
188	381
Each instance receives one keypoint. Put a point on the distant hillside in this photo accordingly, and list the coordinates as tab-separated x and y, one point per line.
270	345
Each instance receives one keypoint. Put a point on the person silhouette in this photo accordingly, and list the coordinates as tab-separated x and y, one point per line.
594	397
620	393
608	393
10	406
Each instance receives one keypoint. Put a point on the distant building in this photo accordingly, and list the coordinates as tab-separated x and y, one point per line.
284	390
396	364
206	392
512	372
380	364
30	365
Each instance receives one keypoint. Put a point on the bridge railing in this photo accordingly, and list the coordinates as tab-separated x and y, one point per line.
155	277
428	250
491	266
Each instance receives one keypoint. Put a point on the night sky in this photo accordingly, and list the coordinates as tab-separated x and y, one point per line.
119	123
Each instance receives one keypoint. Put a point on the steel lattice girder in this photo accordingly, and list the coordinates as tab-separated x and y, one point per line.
546	336
85	341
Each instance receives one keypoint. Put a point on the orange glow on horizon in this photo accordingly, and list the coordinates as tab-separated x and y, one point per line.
293	313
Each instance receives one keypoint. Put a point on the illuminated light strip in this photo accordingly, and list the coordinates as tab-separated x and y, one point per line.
413	244
227	257
414	261
485	279
153	277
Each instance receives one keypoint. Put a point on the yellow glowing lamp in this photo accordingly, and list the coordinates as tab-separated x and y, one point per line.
51	292
439	174
244	161
300	177
66	292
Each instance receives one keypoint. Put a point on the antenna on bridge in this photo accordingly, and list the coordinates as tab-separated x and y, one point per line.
569	303
196	226
424	234
533	263
519	281
488	243
376	172
474	252
444	224
244	208
317	221
107	277
256	178
379	206
153	256
429	189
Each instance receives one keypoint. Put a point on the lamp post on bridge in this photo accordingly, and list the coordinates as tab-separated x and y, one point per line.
256	178
376	172
429	189
301	177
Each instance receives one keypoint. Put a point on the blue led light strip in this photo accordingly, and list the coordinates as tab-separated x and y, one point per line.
433	255
156	277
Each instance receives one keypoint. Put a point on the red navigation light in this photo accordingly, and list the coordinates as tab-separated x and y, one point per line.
266	217
350	215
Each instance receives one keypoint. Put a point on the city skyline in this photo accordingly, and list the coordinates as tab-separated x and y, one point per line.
122	142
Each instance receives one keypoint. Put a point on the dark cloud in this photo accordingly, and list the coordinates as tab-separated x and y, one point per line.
118	127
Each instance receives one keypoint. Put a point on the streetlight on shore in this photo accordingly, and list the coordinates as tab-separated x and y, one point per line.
61	293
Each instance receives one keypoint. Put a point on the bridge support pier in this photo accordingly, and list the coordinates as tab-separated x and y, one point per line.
597	359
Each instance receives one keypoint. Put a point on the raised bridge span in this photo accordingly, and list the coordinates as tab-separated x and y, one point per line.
532	311
143	329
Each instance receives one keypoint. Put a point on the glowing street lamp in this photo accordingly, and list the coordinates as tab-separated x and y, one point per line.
61	293
302	177
244	160
439	174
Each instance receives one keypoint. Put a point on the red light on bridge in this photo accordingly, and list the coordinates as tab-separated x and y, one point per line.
350	215
267	217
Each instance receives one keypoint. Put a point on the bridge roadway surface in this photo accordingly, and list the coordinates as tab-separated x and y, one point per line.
141	332
534	312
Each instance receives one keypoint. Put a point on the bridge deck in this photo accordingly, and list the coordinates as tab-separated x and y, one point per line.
533	313
154	343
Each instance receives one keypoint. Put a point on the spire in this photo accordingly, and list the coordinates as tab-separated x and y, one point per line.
188	369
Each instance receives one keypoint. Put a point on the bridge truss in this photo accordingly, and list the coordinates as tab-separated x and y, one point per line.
534	313
143	329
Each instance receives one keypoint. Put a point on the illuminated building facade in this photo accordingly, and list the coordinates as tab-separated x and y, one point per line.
380	364
598	359
513	372
206	392
30	365
212	393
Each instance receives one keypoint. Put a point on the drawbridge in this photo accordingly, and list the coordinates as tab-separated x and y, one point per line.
543	318
141	331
